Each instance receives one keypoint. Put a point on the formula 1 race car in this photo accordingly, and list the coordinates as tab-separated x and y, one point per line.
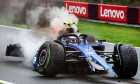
80	53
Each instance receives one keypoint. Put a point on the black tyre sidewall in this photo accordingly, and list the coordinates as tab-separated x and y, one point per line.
53	63
128	60
38	66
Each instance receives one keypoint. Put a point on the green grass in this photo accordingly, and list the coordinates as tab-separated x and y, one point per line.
13	25
112	33
6	18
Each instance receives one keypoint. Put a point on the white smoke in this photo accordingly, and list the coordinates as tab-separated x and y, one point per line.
54	16
31	41
30	44
58	16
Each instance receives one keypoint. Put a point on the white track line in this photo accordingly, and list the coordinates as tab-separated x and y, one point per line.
5	82
15	27
18	28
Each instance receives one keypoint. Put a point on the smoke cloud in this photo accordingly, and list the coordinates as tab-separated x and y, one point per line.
50	20
46	23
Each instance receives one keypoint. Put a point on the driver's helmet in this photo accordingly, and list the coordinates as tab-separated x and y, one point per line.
67	29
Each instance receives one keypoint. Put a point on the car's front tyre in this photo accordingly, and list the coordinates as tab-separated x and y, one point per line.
50	59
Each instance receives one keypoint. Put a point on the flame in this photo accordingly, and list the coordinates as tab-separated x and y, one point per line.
56	30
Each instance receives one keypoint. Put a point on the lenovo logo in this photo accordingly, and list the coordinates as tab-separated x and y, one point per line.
111	13
76	9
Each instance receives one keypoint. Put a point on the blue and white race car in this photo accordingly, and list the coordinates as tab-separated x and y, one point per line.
81	53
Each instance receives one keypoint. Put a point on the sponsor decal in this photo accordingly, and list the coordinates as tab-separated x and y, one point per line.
77	8
89	52
112	12
34	59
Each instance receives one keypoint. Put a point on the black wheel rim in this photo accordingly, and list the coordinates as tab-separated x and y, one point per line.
42	57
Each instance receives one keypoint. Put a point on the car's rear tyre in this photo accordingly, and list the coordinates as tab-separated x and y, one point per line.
50	59
127	64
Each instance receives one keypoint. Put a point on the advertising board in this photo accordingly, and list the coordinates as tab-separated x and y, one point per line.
78	8
112	12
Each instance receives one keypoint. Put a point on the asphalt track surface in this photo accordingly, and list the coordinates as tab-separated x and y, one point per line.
13	70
